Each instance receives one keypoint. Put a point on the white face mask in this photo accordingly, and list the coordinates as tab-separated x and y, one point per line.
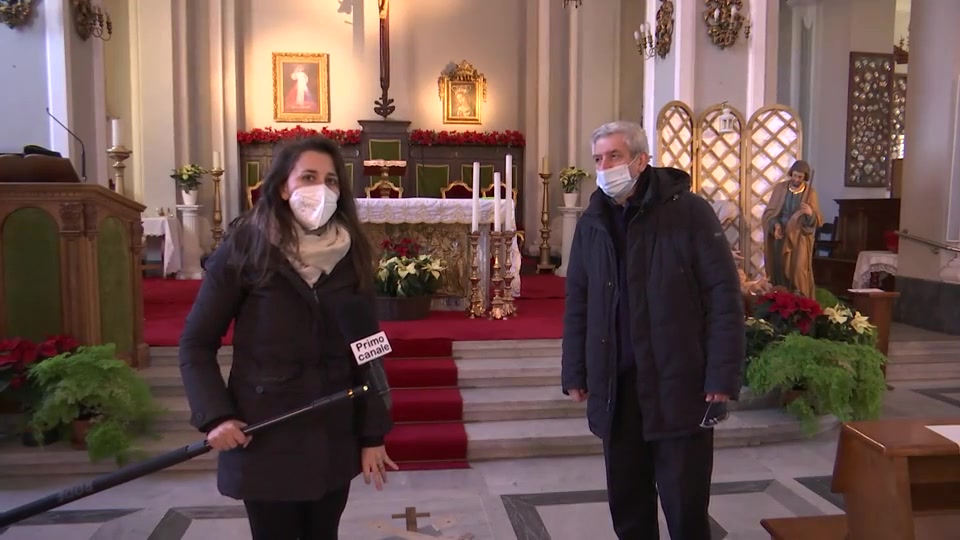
313	206
616	181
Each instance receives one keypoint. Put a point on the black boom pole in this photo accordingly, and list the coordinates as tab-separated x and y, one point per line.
158	463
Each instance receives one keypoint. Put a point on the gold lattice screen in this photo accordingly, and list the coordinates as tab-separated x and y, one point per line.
737	166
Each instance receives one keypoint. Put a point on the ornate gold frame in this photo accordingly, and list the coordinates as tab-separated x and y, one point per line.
459	75
15	13
322	60
664	30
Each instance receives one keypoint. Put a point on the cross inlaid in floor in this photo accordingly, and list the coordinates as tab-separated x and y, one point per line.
411	515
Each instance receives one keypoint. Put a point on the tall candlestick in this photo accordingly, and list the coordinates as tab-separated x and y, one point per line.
116	137
475	218
509	220
496	202
216	160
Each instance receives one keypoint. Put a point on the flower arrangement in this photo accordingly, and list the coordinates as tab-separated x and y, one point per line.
18	355
406	272
787	312
188	176
344	137
840	323
571	177
429	137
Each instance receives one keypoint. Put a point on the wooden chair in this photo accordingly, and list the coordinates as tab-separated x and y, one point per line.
253	193
456	190
384	189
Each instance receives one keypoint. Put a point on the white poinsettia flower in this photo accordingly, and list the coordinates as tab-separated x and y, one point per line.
861	324
836	315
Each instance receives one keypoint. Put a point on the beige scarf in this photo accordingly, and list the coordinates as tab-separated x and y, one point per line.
320	251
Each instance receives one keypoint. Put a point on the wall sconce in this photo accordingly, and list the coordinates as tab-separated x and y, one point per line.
91	21
727	121
724	20
650	45
14	13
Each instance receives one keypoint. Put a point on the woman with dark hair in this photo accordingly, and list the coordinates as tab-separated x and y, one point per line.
280	275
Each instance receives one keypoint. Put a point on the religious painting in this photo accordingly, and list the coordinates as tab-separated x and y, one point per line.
301	87
462	89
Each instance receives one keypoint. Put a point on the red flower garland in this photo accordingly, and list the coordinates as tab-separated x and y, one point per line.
418	137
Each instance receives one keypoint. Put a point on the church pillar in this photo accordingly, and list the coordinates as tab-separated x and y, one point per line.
930	203
224	106
595	40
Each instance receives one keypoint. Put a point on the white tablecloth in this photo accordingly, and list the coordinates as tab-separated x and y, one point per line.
869	262
169	228
428	210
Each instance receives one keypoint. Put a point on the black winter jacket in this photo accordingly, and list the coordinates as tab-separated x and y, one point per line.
686	309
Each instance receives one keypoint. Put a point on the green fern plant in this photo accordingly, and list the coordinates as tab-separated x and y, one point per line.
91	383
842	379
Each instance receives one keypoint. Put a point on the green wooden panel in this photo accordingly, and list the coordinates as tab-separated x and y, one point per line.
486	177
252	173
386	149
116	292
33	300
349	167
431	179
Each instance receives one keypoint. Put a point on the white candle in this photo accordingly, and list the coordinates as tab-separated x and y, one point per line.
636	35
216	160
115	134
475	218
496	202
508	219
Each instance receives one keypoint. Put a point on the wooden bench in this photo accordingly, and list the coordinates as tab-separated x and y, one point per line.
807	528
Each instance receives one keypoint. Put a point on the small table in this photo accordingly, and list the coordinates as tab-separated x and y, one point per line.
900	479
168	228
870	263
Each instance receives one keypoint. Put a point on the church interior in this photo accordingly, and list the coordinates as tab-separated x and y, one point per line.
134	133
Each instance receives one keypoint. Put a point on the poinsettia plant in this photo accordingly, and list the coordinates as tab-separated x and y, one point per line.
429	137
17	355
406	272
787	312
840	323
344	137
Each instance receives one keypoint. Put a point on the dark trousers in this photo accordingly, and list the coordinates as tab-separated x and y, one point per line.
680	467
307	520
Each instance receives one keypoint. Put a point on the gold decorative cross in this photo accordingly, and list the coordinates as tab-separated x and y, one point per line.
411	515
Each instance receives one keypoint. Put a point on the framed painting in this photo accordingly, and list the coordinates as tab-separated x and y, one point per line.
463	90
301	87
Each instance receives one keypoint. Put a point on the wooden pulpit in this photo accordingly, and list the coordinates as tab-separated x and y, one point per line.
900	480
70	264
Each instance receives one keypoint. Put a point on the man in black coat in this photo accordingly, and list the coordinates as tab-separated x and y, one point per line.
654	336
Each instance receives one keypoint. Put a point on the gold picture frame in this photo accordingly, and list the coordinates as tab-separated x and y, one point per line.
462	90
301	87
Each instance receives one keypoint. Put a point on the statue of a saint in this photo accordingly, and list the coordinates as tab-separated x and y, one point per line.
790	223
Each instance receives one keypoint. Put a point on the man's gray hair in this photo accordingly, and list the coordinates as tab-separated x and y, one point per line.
633	133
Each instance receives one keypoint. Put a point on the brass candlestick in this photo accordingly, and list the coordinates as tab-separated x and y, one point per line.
119	154
509	308
217	229
496	279
544	265
476	308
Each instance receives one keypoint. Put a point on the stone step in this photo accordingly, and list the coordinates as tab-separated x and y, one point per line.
479	405
501	372
525	348
571	436
948	348
487	440
899	371
167	356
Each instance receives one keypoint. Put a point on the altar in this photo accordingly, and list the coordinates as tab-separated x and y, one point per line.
442	228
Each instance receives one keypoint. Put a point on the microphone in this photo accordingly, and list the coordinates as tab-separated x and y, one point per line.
368	344
83	149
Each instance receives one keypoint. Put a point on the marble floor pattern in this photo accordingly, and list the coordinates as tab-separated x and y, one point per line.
531	499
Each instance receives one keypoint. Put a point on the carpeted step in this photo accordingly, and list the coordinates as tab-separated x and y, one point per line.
434	442
422	348
421	372
427	405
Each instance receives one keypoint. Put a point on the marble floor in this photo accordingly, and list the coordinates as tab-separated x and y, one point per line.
533	499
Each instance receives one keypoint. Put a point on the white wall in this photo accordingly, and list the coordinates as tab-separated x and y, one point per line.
23	94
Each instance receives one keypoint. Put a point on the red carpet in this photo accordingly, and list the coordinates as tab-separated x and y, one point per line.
427	405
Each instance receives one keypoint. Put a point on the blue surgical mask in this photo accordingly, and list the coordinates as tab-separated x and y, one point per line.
617	181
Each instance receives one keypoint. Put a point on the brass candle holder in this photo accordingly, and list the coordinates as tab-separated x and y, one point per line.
217	228
508	306
496	279
476	308
119	154
544	264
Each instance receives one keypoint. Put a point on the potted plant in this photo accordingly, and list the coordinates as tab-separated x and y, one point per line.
406	279
18	394
188	179
102	399
570	179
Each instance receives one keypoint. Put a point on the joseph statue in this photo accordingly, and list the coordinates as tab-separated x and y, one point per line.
790	223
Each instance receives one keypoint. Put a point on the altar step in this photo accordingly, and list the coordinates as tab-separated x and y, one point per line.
927	360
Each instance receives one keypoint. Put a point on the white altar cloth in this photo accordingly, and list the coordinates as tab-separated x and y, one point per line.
452	211
169	228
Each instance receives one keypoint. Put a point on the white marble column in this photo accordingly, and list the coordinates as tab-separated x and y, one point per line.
570	216
190	248
930	206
